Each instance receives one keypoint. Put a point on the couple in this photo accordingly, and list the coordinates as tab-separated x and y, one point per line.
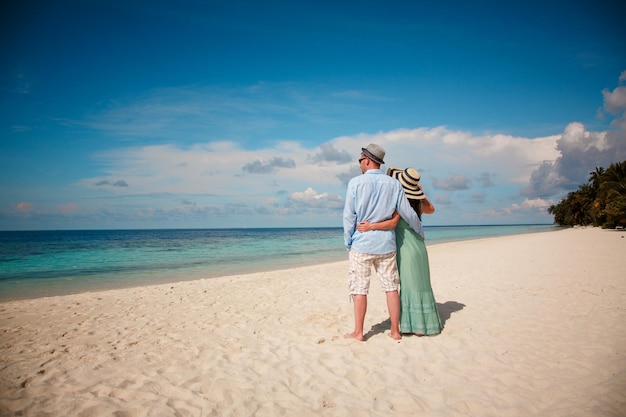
375	205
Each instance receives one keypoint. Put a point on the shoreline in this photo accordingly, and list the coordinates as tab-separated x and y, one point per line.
533	325
165	279
28	288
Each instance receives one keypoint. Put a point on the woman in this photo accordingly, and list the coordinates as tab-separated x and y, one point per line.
419	315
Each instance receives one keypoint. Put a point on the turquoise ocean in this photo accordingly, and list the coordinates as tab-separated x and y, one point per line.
48	263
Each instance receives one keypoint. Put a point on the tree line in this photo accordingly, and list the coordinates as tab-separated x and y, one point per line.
600	202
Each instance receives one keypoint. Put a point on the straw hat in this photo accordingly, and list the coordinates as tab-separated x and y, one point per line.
410	180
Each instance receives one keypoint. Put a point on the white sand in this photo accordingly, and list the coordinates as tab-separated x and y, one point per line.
535	325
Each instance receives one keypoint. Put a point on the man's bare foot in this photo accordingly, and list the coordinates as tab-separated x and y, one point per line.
353	335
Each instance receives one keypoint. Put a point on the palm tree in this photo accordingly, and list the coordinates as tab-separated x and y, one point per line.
611	195
581	205
594	177
601	202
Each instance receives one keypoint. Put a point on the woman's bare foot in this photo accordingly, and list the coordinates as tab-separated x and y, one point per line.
353	335
395	335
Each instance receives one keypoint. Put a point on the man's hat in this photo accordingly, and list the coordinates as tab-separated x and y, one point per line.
375	153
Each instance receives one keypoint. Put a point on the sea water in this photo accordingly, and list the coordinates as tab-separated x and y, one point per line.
46	263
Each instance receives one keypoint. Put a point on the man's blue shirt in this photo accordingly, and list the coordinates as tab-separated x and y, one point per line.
373	197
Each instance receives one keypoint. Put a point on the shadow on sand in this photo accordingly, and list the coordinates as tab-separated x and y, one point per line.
446	309
445	312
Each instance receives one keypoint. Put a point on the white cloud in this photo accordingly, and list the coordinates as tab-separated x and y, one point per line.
452	183
520	212
269	166
204	182
310	199
479	198
485	179
581	151
536	203
207	179
615	101
328	153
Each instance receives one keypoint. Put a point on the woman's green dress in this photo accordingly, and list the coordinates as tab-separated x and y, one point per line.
418	312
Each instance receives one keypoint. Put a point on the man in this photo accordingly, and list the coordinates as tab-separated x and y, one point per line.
374	197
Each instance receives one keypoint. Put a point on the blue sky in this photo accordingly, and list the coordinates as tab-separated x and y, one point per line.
176	114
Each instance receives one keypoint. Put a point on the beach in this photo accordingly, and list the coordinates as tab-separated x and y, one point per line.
534	325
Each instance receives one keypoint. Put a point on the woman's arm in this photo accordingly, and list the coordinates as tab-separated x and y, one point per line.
427	207
384	225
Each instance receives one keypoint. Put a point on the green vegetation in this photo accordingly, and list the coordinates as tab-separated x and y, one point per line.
601	202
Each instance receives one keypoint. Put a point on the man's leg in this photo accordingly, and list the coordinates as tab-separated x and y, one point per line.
393	305
387	271
358	284
360	307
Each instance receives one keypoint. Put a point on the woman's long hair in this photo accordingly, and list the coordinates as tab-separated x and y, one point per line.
417	206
